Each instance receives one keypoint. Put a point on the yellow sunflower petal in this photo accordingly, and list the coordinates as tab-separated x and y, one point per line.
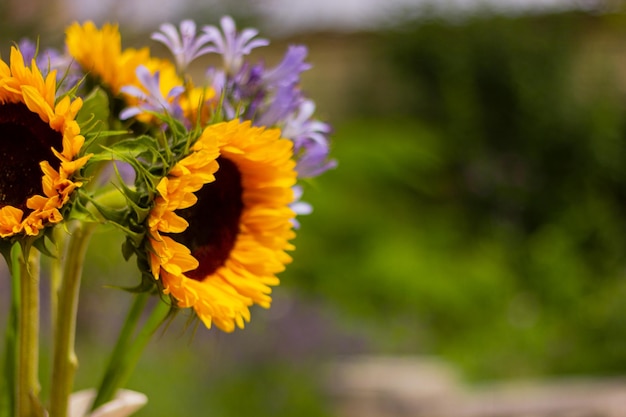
10	221
36	103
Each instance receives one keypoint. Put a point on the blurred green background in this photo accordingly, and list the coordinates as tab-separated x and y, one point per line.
477	215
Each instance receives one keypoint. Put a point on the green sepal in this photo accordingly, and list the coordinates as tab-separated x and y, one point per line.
143	146
80	211
143	153
134	199
146	285
121	219
5	249
41	244
92	137
128	249
111	214
135	237
129	217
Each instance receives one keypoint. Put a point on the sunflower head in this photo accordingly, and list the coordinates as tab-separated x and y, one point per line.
99	52
39	144
221	223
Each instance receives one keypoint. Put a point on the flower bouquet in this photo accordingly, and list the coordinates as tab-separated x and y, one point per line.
202	175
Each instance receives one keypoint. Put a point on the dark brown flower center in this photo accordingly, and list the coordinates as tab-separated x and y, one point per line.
25	141
214	220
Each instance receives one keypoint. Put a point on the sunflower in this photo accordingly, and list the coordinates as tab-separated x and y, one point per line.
99	52
39	141
219	237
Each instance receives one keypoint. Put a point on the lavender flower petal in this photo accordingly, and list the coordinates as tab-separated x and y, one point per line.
313	160
281	105
185	46
288	70
231	45
299	207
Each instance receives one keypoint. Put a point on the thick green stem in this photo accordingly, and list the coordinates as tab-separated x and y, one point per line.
56	273
64	362
127	351
28	387
9	382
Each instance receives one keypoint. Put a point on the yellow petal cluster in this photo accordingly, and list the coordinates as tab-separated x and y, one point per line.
23	84
176	191
99	52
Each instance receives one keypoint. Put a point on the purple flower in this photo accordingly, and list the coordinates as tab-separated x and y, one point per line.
28	49
221	83
232	45
289	69
312	160
248	86
281	104
310	138
300	126
241	93
217	79
185	46
268	97
153	100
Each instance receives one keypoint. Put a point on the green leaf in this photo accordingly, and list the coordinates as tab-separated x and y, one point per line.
95	108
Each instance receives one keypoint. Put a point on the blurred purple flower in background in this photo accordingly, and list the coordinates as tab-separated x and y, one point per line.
184	45
232	45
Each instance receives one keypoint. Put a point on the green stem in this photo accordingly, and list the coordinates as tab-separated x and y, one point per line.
56	273
28	387
127	352
8	393
64	362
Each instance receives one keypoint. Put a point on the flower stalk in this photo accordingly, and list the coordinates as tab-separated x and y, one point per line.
28	386
64	357
56	273
127	351
9	369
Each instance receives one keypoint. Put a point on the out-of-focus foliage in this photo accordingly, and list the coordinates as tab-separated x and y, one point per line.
492	224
